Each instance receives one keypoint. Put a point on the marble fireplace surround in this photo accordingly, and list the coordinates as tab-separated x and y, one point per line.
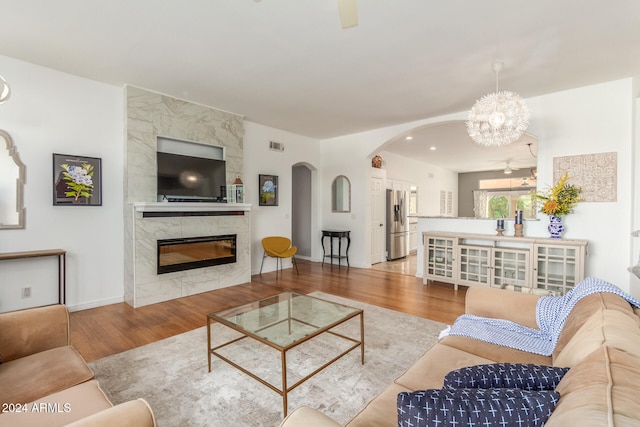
149	115
226	218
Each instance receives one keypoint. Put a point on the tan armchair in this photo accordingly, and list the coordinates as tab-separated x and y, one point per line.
41	369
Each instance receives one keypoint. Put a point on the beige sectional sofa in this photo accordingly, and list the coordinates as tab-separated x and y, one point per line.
600	343
45	382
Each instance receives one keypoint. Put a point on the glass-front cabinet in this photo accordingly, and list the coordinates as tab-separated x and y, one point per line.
474	265
439	259
533	265
558	268
511	269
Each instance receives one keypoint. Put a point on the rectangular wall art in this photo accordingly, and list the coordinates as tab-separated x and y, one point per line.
77	180
268	185
596	174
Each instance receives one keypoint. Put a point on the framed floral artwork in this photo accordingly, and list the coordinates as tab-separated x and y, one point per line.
268	185
77	180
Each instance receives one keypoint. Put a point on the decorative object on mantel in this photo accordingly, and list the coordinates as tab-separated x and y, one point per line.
235	191
376	162
500	228
77	180
498	118
596	174
559	200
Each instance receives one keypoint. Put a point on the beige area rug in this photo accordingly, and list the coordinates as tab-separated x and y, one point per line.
172	374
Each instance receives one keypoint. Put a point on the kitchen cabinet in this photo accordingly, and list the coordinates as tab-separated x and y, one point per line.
413	237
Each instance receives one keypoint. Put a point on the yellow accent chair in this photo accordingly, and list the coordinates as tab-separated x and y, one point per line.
279	247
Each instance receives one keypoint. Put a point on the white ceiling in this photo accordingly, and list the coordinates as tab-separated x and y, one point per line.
448	146
288	64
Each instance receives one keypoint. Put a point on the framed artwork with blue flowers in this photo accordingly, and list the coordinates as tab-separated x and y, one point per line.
268	185
77	180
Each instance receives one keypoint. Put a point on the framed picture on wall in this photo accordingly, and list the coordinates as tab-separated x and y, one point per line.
268	185
77	180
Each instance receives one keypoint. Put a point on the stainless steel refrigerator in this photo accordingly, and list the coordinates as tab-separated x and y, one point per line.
397	224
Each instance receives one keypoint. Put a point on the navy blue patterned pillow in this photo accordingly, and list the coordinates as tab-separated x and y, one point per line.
475	407
506	375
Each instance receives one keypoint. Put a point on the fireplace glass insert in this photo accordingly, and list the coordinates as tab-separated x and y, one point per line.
195	252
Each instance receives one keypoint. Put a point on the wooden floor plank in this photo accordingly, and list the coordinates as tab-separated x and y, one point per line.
103	331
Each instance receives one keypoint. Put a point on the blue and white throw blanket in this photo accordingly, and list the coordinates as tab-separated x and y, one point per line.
551	314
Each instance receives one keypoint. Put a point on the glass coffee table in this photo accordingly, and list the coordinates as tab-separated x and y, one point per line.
283	322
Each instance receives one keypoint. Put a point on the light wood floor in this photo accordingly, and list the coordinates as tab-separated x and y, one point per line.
407	265
111	329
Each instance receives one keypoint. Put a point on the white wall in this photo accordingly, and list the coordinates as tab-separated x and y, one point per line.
52	112
348	156
259	159
593	119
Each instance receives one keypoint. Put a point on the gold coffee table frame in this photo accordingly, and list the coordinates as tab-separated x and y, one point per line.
283	322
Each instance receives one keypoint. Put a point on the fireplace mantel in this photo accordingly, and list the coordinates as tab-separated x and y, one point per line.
189	207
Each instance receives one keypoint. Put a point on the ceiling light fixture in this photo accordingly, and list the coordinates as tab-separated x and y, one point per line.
408	138
508	169
498	118
5	90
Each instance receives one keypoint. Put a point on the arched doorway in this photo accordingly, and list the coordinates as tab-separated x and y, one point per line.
302	212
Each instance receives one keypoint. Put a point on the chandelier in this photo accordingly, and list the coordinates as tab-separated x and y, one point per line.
498	118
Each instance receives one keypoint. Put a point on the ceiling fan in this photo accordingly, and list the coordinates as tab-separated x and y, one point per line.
348	13
508	170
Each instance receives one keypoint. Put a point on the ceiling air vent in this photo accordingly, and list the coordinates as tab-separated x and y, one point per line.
276	146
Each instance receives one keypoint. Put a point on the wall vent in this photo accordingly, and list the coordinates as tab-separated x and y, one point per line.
276	146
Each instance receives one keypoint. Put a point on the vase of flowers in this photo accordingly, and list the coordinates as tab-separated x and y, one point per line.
557	202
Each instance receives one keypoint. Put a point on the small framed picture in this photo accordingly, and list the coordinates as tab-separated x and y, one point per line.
77	180
268	185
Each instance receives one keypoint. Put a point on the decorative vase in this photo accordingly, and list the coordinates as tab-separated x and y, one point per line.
555	227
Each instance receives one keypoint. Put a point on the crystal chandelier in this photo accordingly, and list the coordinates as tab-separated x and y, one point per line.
498	118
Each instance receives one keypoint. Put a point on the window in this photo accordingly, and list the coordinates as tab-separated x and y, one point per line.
503	204
413	200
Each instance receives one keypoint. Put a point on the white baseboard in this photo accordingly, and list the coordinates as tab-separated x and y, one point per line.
94	304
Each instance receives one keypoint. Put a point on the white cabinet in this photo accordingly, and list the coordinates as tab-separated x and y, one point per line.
473	266
511	268
413	237
439	259
536	265
493	266
557	268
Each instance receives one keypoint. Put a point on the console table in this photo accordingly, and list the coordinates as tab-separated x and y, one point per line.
336	234
62	266
534	265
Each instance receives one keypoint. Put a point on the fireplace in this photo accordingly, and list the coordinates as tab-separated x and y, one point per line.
195	252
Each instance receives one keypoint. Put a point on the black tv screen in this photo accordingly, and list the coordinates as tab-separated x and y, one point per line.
186	178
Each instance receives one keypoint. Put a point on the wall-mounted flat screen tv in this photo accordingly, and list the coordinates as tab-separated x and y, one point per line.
186	178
